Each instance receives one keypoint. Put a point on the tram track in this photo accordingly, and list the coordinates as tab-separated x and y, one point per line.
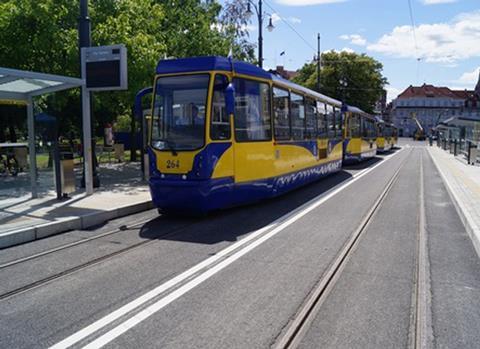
90	263
298	326
120	229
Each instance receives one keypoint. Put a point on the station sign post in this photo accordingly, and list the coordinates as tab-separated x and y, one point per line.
104	68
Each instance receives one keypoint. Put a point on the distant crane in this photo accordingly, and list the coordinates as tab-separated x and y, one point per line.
419	134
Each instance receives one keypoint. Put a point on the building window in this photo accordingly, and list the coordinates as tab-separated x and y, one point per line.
252	111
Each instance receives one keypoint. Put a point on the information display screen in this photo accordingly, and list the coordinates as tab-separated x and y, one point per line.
105	67
103	74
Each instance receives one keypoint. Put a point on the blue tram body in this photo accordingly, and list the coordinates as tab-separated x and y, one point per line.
225	133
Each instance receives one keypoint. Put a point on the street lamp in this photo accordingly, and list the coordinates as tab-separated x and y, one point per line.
260	15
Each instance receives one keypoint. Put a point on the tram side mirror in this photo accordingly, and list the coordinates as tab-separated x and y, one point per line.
230	99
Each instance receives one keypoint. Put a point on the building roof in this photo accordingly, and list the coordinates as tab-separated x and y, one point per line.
429	91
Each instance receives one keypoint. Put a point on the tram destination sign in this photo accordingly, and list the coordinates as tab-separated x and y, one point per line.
105	67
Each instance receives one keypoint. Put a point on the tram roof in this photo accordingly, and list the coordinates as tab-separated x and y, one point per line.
195	64
209	63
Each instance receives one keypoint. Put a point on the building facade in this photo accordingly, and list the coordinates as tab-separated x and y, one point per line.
431	105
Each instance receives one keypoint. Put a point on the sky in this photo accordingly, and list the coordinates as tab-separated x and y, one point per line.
443	50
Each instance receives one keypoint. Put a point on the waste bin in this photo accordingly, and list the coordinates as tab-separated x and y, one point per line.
67	173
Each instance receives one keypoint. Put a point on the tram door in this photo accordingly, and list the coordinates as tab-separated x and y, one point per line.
253	151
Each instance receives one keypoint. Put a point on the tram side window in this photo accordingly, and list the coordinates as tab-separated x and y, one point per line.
354	125
388	132
382	130
330	121
298	116
339	121
321	120
364	127
368	128
281	113
252	111
220	121
310	112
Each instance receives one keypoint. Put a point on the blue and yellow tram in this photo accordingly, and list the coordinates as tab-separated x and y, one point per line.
360	135
225	133
386	139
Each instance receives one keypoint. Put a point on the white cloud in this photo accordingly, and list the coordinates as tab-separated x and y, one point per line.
354	39
439	42
307	2
347	49
277	18
469	78
435	2
392	93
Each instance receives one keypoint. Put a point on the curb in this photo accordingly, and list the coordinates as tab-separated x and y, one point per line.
472	229
20	236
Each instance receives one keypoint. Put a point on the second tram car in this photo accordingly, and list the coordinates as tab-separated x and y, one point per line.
225	133
360	135
387	138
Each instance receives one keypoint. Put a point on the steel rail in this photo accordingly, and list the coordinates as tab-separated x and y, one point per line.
75	243
90	263
300	323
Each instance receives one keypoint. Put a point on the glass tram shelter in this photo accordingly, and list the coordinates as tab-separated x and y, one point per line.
18	86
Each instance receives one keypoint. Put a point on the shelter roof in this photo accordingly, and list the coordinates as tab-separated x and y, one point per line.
20	85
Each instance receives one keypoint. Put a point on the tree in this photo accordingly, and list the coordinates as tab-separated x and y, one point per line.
362	74
234	24
42	36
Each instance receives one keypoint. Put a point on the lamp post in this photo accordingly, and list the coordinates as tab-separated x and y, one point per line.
84	40
260	15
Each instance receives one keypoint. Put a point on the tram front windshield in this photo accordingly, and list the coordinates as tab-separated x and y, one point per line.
179	112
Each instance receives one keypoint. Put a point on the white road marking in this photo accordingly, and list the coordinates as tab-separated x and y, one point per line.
147	312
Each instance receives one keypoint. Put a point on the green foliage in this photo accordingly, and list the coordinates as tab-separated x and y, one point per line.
363	75
42	36
123	123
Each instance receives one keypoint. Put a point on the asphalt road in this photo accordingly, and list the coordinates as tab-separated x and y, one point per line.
236	279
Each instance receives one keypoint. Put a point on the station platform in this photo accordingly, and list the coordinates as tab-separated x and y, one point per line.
463	184
24	219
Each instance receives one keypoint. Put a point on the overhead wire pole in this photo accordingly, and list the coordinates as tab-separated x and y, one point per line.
319	62
84	40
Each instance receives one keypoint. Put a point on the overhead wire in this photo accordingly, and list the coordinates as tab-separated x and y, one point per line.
412	20
290	26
